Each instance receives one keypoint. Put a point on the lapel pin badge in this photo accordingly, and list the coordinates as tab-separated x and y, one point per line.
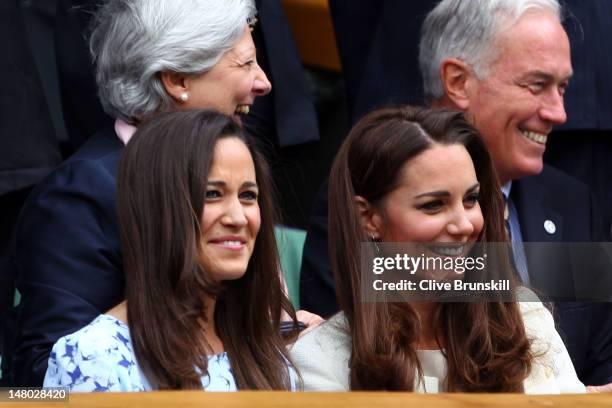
550	227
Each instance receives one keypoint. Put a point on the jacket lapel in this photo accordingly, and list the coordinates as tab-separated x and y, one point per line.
536	211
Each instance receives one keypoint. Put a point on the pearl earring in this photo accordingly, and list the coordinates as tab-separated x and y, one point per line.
184	97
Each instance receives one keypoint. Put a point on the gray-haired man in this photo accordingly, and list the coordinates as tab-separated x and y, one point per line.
506	63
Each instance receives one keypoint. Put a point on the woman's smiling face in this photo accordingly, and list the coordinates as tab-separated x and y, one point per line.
436	200
231	217
232	85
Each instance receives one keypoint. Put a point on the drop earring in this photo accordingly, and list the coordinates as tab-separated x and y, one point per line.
376	247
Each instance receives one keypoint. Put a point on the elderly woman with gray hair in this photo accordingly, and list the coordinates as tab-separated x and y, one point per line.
151	56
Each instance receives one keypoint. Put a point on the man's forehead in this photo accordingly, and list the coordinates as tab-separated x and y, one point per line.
536	46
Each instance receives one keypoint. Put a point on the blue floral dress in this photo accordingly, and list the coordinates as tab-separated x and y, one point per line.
99	357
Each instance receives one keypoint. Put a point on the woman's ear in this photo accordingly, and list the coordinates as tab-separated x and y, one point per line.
175	84
369	216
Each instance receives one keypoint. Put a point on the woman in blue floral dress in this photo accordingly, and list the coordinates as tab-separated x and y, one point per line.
203	294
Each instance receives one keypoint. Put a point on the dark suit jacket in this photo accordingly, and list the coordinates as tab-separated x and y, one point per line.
48	106
583	146
586	327
29	147
67	255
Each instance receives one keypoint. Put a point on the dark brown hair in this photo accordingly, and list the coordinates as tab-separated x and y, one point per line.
485	343
161	198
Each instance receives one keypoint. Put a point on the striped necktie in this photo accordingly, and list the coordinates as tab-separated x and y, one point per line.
517	252
507	220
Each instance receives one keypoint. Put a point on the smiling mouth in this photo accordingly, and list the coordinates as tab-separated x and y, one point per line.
539	138
243	109
229	244
449	249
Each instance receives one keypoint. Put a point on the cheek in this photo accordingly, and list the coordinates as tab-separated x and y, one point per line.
417	227
477	220
527	112
242	88
208	218
254	218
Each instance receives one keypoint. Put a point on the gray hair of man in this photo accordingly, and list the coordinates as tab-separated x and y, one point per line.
132	41
467	30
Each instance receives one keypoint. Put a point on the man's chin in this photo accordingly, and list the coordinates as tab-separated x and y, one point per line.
531	167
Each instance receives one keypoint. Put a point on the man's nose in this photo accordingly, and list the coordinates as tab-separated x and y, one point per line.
553	108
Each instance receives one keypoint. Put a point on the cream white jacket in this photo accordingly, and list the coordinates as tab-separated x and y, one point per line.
322	357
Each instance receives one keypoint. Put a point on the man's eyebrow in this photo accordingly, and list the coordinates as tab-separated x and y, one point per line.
548	77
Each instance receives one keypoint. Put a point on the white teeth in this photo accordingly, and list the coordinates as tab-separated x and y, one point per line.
232	243
243	109
536	137
447	251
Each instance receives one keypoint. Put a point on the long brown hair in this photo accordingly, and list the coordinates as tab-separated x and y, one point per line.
485	343
161	198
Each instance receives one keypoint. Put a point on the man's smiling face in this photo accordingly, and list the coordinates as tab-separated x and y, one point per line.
516	106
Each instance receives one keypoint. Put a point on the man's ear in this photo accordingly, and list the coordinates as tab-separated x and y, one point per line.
369	216
456	76
175	84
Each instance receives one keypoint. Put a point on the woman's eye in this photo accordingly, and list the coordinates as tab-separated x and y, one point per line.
248	195
431	205
472	199
212	194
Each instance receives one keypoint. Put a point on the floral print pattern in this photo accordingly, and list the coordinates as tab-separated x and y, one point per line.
99	357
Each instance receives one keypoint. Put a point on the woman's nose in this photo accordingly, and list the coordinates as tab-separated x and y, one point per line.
460	224
261	85
234	214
